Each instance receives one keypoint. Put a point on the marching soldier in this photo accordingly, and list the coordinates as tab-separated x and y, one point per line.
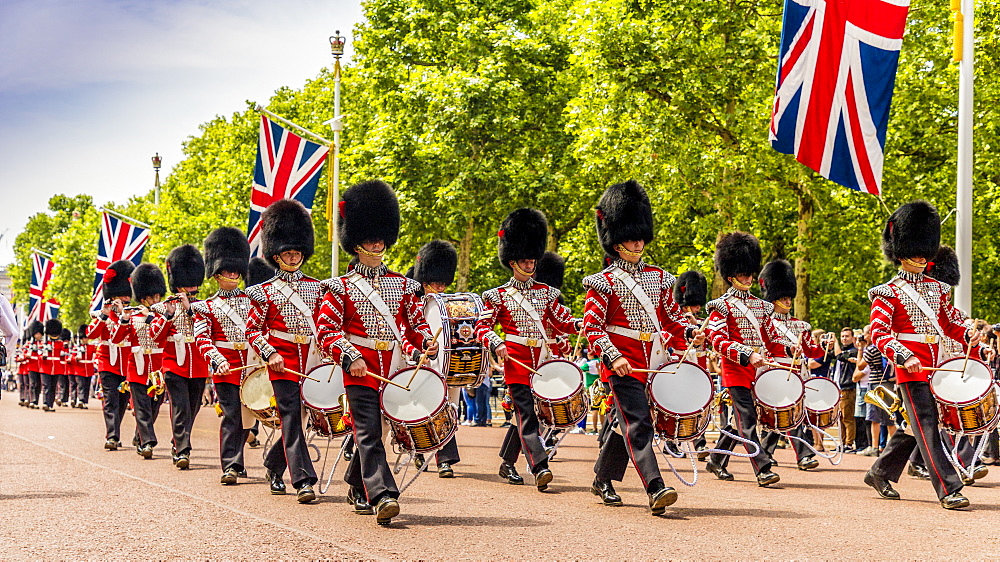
630	319
281	330
366	321
691	294
22	358
525	310
84	367
184	368
34	354
115	288
220	333
49	366
65	370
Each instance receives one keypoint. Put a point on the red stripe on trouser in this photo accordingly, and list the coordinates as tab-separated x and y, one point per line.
920	428
628	442
746	446
520	436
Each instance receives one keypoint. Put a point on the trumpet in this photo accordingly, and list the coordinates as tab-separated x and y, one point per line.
882	397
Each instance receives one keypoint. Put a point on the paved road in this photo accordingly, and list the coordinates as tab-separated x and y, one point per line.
63	497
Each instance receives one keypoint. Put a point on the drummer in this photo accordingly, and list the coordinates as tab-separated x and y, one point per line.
525	310
691	293
777	280
630	318
366	321
910	316
220	325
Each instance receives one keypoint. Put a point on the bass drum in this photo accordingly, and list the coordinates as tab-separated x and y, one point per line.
680	401
257	395
966	398
461	360
421	419
324	401
779	397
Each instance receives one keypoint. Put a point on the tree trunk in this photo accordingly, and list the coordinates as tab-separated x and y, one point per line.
464	258
802	244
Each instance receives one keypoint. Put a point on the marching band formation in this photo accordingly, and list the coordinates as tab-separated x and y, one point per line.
378	358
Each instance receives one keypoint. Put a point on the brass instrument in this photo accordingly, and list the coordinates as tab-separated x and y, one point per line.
882	397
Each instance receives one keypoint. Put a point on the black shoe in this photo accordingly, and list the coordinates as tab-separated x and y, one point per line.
954	501
182	462
882	486
918	471
277	483
45	408
719	471
146	451
509	473
253	443
229	476
385	510
980	472
808	463
242	474
111	444
660	498
305	494
135	441
33	406
445	471
356	498
767	478
542	479
605	491
348	455
702	454
418	460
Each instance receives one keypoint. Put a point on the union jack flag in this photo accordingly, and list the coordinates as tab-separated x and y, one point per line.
287	166
41	273
836	71
119	241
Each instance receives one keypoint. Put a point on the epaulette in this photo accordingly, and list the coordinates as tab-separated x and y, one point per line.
668	280
718	304
201	307
256	293
883	290
768	307
598	282
410	286
945	288
334	284
492	295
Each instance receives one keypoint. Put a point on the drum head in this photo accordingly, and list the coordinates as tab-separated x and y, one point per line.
256	391
685	392
556	380
821	394
777	389
427	393
958	388
323	395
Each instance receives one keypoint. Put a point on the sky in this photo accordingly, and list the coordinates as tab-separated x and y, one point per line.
91	89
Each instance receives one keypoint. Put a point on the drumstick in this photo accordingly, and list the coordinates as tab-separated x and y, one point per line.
943	369
522	364
298	374
579	338
791	367
245	367
686	351
966	363
423	358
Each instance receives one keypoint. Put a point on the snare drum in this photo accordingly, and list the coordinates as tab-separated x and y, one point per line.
421	419
560	399
258	396
966	401
779	398
680	402
322	399
822	402
461	358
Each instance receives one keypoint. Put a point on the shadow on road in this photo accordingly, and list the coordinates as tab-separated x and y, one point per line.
437	521
42	495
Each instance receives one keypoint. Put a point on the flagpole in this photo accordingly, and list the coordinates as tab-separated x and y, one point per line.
125	218
41	253
963	222
337	49
292	125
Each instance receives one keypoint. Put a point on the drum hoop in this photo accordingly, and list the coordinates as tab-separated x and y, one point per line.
805	402
800	400
242	386
976	400
381	395
561	399
658	406
302	393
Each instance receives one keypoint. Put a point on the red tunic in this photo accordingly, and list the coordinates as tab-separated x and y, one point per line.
22	358
221	339
35	355
611	305
735	338
52	357
108	360
275	325
180	354
144	353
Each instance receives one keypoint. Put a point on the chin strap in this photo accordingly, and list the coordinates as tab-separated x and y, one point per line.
741	286
912	263
360	249
284	266
623	250
520	271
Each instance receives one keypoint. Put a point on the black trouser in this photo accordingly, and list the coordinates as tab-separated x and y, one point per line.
293	441
992	448
185	402
636	439
115	404
802	451
448	453
147	409
63	381
745	412
369	469
83	389
232	436
24	387
926	437
524	434
73	382
34	386
48	389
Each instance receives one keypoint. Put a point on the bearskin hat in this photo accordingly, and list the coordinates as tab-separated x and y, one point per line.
691	289
53	327
147	280
369	211
226	249
81	332
258	271
737	253
913	230
410	273
66	335
436	262
35	327
945	267
115	282
777	279
551	270
185	267
522	236
287	226
624	214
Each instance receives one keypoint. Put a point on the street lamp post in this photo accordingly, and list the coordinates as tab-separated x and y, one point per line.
337	50
157	161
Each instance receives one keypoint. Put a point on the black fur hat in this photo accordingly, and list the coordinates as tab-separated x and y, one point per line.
551	270
945	268
226	249
624	214
522	236
66	335
115	282
287	226
737	253
81	332
691	289
913	230
410	273
436	262
147	280
53	327
258	271
777	279
369	211
35	327
185	267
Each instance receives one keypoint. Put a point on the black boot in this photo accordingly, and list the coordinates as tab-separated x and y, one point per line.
605	491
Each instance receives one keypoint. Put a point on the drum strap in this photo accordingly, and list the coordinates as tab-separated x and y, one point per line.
525	305
785	331
230	312
748	315
376	299
640	295
296	300
918	300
